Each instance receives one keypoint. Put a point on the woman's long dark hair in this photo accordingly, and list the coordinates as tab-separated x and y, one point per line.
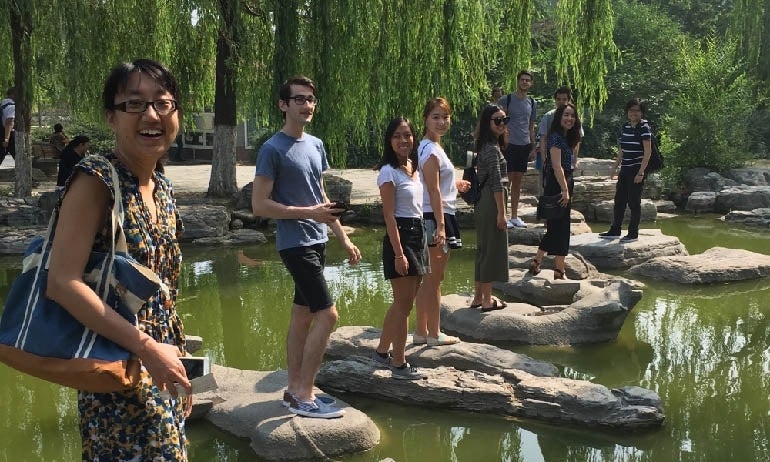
389	156
573	134
485	131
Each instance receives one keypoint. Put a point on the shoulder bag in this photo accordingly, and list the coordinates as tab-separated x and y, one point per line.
39	337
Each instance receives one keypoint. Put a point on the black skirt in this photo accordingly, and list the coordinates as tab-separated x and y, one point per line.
412	235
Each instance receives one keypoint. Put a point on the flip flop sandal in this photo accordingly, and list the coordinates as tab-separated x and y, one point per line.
494	307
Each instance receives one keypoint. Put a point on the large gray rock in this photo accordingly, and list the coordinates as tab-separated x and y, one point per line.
535	230
248	405
716	264
603	211
742	198
611	254
571	312
756	217
515	393
13	241
347	341
701	202
204	220
753	176
577	267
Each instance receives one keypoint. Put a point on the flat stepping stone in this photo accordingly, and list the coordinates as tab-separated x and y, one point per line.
612	254
717	264
348	341
247	404
513	393
596	313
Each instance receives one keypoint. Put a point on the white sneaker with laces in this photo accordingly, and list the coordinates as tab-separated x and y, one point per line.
509	223
518	222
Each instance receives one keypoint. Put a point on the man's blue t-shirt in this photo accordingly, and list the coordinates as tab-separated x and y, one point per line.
295	165
630	141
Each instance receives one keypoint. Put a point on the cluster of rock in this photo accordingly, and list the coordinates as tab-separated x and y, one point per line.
482	378
743	196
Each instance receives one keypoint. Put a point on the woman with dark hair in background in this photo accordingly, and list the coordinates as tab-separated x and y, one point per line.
489	213
404	247
69	157
563	137
140	423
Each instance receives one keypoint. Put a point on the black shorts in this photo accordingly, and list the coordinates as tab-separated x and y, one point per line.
306	266
517	156
451	228
412	236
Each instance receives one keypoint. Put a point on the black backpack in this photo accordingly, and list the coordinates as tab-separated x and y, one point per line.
656	158
473	194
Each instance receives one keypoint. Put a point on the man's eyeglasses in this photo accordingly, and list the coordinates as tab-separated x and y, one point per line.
137	106
501	120
302	99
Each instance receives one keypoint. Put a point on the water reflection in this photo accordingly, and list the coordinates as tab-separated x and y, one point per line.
703	349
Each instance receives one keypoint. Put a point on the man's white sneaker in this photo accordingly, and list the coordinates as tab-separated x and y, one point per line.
518	222
509	224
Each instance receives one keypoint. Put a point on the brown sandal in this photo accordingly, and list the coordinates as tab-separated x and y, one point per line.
559	274
534	267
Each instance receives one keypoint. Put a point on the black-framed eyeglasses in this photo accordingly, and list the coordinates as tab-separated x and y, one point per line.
137	106
501	120
302	99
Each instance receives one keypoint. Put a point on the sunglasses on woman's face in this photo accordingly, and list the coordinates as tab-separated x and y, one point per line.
500	120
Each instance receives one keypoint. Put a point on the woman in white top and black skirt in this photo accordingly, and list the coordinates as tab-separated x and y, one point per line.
439	205
404	248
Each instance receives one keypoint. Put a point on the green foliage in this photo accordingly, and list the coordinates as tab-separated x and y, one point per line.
707	120
648	43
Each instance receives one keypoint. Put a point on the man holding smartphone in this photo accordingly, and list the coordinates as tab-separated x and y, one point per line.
288	186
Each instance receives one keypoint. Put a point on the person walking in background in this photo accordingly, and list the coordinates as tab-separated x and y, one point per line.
404	247
140	104
491	223
561	96
7	118
634	149
443	232
69	157
58	139
563	137
522	110
288	186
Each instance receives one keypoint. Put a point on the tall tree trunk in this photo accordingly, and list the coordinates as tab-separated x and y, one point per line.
223	181
21	31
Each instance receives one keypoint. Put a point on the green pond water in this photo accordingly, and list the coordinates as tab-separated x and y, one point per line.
704	350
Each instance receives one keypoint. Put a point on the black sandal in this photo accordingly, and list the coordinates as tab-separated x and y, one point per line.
534	267
559	274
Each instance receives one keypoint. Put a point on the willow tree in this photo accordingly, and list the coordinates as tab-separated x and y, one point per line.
20	15
585	49
750	26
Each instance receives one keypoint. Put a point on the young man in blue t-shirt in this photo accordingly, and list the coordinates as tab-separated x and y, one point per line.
288	186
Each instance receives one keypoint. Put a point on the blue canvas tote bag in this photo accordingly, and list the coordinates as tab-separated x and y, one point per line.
39	337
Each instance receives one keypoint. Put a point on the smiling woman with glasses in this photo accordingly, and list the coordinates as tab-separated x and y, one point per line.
491	263
137	423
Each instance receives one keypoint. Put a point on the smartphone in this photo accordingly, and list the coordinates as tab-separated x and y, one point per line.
196	366
430	231
339	205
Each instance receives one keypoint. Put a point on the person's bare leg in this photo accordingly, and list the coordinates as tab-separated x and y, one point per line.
429	294
315	346
486	294
515	179
476	294
299	325
395	328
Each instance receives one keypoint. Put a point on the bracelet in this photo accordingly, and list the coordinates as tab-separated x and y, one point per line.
400	256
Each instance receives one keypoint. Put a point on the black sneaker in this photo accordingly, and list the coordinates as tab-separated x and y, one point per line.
382	361
628	238
610	235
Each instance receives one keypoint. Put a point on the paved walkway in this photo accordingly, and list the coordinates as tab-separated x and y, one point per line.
195	178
